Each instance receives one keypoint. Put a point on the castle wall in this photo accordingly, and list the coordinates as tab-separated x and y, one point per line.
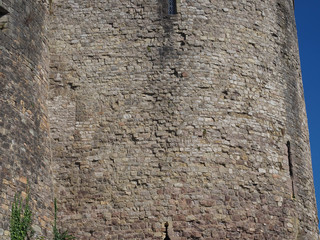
197	119
24	142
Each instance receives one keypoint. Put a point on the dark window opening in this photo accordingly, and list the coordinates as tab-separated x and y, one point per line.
4	18
172	7
3	12
290	167
289	158
167	234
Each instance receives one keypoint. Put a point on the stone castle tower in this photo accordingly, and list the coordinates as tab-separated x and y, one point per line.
135	113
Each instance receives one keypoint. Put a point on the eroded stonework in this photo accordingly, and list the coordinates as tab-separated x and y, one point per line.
24	131
196	119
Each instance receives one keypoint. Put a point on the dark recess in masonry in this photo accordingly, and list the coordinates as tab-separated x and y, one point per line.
3	18
167	234
172	7
3	12
290	167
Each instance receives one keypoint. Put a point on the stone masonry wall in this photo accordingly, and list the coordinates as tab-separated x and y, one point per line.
196	119
24	141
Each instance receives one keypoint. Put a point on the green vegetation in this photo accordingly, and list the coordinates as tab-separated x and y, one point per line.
57	234
21	219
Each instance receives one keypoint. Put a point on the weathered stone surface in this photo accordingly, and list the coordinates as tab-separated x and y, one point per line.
196	119
180	118
24	131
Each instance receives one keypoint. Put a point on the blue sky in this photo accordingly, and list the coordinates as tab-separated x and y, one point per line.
308	24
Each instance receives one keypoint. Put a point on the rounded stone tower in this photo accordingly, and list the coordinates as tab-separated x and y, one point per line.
189	112
24	131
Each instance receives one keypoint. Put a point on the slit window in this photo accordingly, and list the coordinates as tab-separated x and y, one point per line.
290	167
172	7
167	234
4	18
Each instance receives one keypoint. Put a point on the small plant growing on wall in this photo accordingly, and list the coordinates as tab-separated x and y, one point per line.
58	235
21	219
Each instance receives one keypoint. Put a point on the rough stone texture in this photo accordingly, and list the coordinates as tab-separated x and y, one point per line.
24	141
160	118
181	118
